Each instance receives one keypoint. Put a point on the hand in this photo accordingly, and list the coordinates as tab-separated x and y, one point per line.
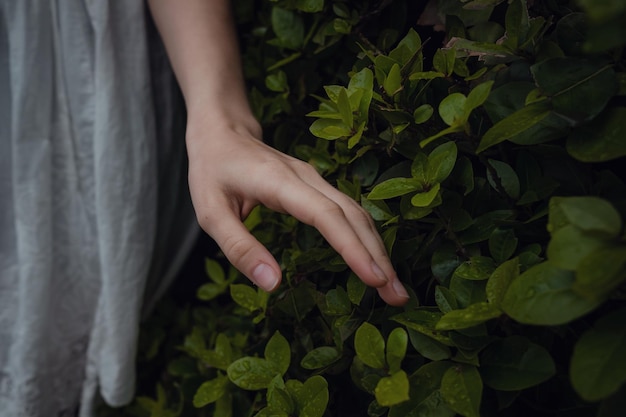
231	171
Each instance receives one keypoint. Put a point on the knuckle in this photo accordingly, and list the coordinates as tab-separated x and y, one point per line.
236	248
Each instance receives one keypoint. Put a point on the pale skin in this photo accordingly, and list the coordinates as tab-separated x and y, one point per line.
231	170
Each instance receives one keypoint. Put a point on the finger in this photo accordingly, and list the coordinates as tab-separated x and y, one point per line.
394	293
243	251
312	207
364	227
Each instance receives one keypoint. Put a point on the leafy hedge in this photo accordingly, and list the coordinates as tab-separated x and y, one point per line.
489	155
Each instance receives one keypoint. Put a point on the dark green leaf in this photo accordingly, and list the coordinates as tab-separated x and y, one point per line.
502	244
505	178
210	391
288	27
467	291
590	214
476	268
598	366
472	315
423	113
515	363
569	245
452	109
320	357
445	299
602	139
500	279
424	322
428	347
601	272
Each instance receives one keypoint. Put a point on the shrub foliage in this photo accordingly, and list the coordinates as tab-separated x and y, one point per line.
489	155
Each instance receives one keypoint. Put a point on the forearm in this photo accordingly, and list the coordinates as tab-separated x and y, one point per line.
200	40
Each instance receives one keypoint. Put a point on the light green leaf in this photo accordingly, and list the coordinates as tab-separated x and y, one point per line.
425	199
330	129
209	291
364	81
394	187
320	357
468	317
393	389
278	399
514	124
215	271
515	363
452	109
252	373
426	75
441	162
370	346
210	391
477	96
543	295
396	348
245	296
423	113
598	366
277	82
312	398
278	352
343	104
500	279
443	60
446	131
423	321
393	81
462	388
600	140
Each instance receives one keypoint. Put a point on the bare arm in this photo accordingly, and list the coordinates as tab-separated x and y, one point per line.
231	170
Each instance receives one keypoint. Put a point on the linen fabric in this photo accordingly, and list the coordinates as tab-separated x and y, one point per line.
95	217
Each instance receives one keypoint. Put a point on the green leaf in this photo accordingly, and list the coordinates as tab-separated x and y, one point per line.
569	245
343	104
598	366
441	162
601	272
590	214
471	316
245	296
543	295
310	6
423	321
215	271
425	199
462	388
427	347
423	113
477	97
370	346
278	399
312	398
277	82
514	124
394	187
288	27
355	288
446	131
363	81
320	357
330	129
515	363
396	348
467	291
452	109
445	299
443	61
338	302
209	291
393	389
506	177
600	140
477	268
502	244
500	279
393	81
210	391
278	352
579	88
252	373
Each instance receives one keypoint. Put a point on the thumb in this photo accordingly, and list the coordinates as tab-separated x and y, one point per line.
242	249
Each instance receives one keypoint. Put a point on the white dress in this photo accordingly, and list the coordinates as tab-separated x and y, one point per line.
95	216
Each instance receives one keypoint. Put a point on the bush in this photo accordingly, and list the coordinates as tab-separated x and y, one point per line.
489	155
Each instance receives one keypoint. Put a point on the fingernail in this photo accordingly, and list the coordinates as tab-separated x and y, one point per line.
265	277
379	273
399	289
